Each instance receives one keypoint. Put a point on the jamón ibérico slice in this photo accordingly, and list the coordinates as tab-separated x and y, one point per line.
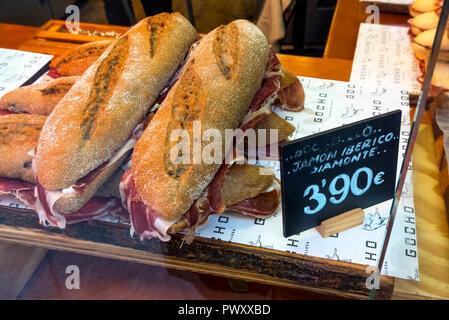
273	65
192	215
54	73
292	97
46	216
82	183
263	205
94	208
7	184
5	112
253	121
270	83
144	220
142	217
24	191
214	190
269	87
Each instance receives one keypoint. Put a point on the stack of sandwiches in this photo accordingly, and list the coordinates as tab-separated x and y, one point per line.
109	118
423	25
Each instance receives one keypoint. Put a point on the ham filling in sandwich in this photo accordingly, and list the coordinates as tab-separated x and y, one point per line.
231	81
20	133
94	127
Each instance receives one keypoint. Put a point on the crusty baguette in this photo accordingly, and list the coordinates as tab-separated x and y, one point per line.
18	136
111	187
103	108
216	88
243	181
40	98
76	62
71	202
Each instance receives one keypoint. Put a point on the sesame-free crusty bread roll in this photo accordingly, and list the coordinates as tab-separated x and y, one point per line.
76	62
216	88
243	181
71	202
18	136
103	108
39	98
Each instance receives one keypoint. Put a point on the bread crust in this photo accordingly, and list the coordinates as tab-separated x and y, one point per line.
216	88
76	62
272	122
40	98
19	134
72	202
243	181
103	108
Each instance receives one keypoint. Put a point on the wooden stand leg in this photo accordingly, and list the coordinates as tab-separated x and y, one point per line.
341	222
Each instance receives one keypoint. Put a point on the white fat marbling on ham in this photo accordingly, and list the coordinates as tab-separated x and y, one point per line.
264	109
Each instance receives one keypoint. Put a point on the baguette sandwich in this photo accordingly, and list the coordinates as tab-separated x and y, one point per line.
95	126
231	81
19	133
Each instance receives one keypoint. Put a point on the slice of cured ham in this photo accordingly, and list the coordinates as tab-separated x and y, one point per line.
45	199
94	208
24	191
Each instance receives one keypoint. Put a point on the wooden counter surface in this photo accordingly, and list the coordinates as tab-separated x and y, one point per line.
348	15
13	35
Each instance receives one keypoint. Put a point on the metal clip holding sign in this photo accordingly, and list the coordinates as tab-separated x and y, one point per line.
414	130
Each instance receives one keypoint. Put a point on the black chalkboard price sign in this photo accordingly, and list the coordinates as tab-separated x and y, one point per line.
329	173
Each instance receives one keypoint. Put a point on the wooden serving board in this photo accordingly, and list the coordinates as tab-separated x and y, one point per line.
203	255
